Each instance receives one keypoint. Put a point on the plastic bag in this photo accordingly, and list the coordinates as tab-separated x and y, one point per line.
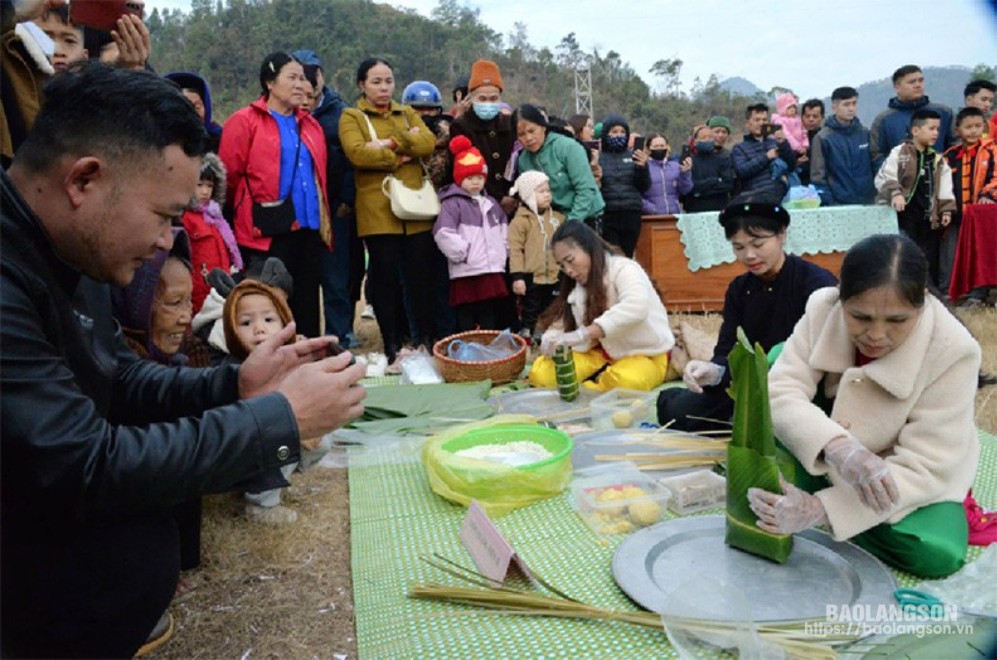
499	348
963	588
498	488
682	621
420	370
802	197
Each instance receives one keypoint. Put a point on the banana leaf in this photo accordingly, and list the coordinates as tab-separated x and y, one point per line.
751	454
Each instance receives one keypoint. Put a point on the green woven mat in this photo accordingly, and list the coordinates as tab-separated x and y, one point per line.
395	518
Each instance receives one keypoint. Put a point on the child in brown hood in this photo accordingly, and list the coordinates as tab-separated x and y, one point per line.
253	312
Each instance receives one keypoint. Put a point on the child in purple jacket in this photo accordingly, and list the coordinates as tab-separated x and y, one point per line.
670	178
471	233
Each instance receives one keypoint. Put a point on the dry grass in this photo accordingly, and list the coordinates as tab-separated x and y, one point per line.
287	593
272	592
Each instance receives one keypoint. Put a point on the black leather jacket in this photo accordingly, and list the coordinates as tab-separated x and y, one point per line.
96	445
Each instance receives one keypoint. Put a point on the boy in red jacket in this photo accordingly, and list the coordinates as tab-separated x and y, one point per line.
974	181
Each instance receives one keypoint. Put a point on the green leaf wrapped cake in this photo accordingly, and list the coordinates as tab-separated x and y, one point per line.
751	455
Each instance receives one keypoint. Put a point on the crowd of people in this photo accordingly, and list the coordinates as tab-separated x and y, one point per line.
176	290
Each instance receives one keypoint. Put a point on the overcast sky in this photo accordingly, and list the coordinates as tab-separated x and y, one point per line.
810	47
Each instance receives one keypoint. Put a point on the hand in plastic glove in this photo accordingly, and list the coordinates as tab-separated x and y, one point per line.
574	338
793	511
549	342
699	374
867	472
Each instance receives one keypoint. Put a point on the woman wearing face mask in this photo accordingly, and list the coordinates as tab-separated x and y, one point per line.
670	178
712	173
565	163
490	130
381	137
625	180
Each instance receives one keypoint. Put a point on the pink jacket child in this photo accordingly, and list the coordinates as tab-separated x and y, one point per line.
788	116
471	232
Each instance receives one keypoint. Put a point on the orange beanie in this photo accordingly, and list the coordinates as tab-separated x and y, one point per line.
484	72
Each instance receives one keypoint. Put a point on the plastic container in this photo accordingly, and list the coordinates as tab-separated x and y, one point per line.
622	409
554	441
617	498
497	487
695	491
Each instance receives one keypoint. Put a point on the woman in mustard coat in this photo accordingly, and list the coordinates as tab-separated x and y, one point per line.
382	137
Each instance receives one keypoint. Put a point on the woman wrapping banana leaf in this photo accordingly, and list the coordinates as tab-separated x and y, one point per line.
873	395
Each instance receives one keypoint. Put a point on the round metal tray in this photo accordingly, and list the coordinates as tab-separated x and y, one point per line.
655	562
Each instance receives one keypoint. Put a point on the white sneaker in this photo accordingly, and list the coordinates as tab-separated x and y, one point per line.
368	312
271	515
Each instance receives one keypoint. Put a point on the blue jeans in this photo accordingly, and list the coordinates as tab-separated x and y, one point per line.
335	274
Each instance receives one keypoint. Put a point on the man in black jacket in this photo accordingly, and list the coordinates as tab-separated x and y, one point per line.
97	445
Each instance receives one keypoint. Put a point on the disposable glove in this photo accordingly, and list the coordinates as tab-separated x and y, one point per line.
699	374
574	338
793	511
865	471
549	342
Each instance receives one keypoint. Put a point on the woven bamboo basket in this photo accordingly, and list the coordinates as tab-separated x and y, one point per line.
499	371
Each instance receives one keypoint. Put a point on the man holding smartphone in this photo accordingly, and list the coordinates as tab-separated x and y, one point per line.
98	444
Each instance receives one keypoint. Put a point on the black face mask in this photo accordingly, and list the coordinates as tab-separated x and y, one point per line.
659	154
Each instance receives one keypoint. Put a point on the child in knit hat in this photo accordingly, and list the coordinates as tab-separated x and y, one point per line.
471	233
532	266
253	312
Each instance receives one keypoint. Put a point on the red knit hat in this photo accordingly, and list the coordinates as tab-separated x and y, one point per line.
484	72
467	159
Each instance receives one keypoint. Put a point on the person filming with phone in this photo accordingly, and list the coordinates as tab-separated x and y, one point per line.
99	445
625	178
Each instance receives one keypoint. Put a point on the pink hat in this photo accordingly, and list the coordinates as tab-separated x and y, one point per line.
783	101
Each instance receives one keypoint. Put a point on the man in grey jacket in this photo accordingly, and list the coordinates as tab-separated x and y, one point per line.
98	444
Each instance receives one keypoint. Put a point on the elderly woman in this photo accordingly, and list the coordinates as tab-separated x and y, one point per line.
381	137
608	312
155	313
873	395
565	163
275	152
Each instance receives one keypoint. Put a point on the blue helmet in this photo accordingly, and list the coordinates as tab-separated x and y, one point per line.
422	94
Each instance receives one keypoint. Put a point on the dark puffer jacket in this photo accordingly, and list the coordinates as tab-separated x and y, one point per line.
623	182
712	182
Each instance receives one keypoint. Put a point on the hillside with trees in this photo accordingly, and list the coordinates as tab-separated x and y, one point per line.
226	42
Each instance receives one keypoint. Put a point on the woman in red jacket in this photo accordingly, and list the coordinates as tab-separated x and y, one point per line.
273	150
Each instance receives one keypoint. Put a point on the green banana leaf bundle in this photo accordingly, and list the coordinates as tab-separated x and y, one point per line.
751	454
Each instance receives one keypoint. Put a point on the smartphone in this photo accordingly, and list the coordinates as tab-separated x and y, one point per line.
335	349
98	14
686	152
591	144
639	143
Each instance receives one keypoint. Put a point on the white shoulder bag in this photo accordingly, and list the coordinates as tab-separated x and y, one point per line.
418	204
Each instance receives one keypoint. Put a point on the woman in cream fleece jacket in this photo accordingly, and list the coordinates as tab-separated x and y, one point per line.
873	395
607	311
